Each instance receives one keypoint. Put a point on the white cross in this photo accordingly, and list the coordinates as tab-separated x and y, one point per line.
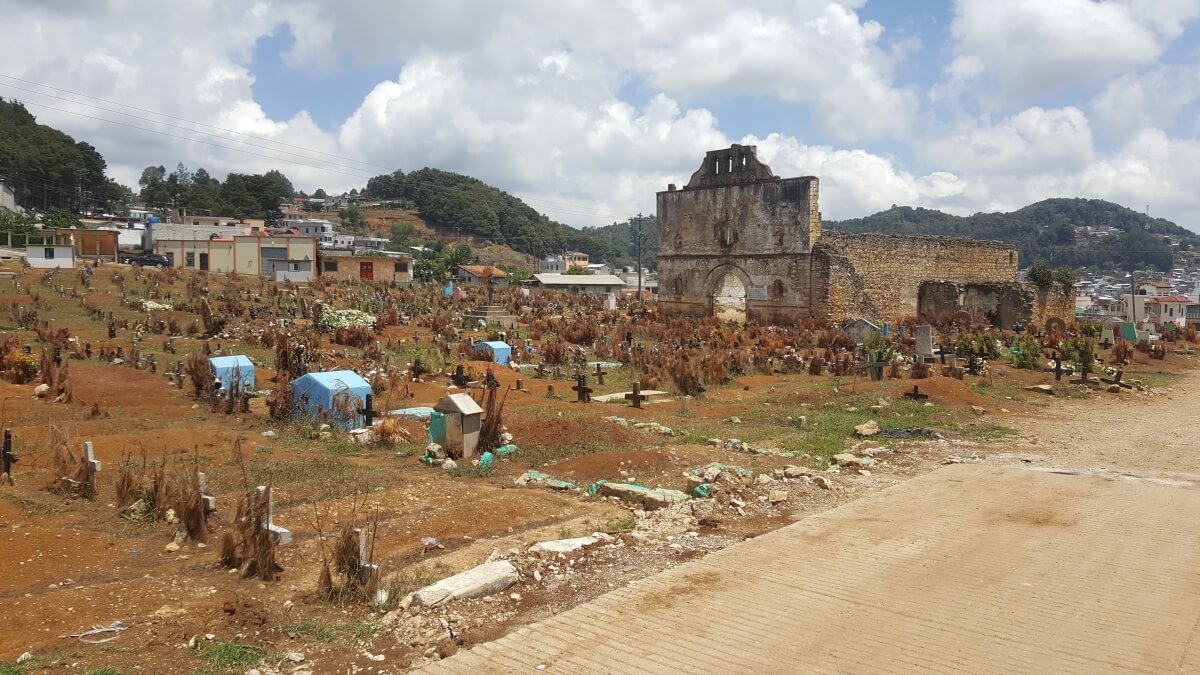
282	535
90	455
365	569
209	501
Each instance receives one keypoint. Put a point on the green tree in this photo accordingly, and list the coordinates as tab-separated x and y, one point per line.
352	219
460	254
59	218
319	194
577	269
1065	277
1041	274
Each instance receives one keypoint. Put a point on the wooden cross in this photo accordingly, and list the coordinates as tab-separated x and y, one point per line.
366	411
915	394
365	569
583	392
208	501
459	378
7	458
635	396
282	536
599	374
490	381
89	455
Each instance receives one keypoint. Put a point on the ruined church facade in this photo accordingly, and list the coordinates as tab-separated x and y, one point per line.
740	242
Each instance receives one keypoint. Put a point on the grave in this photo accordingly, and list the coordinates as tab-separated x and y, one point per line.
282	536
315	393
229	370
455	425
583	393
208	501
368	414
599	374
365	569
459	378
1107	337
924	337
89	455
635	397
501	352
7	458
915	394
610	302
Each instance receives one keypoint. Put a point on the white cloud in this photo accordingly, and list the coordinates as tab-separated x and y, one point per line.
1051	140
1033	47
1148	99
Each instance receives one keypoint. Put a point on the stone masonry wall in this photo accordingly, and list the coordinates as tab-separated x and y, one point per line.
886	271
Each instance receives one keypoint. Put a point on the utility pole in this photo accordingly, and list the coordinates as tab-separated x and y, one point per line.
638	237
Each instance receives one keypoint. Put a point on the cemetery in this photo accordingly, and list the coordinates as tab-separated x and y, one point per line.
338	468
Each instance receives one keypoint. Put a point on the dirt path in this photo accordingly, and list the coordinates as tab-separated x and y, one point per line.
1074	552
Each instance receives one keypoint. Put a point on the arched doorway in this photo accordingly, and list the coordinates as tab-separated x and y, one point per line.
729	299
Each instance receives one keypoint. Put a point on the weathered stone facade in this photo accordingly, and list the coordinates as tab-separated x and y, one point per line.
738	236
1000	304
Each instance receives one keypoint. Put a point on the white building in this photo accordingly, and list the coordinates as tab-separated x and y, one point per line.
8	199
156	232
559	264
371	243
308	227
335	240
49	257
592	284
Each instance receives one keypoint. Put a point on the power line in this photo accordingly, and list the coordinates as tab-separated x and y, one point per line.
181	119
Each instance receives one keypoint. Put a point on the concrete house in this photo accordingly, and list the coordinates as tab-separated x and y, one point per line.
592	284
51	256
473	275
278	258
372	268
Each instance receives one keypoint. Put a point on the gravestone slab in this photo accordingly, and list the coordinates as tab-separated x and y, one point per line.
924	337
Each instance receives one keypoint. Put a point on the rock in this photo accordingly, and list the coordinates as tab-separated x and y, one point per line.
868	429
485	579
704	510
734	420
716	442
764	479
649	499
40	391
435	451
449	464
24	657
978	409
568	545
1041	388
268	434
795	472
295	657
776	496
660	498
712	472
1114	388
171	547
362	436
822	482
847	459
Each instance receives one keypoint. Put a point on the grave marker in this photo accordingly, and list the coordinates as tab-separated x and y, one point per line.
583	392
635	397
459	378
367	412
915	394
282	535
924	336
599	374
365	569
208	501
89	454
7	458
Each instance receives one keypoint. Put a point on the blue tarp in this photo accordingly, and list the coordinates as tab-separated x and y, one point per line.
228	369
500	351
315	392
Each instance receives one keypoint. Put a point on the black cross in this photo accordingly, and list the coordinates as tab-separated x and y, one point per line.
583	392
915	394
629	335
490	381
87	349
7	458
367	412
459	378
599	375
635	396
1057	366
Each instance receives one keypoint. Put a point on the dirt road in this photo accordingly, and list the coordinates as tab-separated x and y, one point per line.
1075	552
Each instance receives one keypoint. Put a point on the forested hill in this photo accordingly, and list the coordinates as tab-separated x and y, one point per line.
1047	230
456	203
48	169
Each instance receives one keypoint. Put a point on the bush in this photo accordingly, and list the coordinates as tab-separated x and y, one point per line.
1041	275
1027	354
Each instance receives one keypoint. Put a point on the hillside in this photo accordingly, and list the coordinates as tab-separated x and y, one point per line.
1047	230
453	203
48	169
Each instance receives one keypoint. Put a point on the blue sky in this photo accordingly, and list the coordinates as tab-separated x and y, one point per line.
585	110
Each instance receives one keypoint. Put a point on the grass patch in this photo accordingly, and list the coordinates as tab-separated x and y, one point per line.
115	649
43	504
326	631
12	669
343	448
233	657
106	671
1156	380
621	525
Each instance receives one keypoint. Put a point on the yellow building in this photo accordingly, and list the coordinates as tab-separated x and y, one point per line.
279	258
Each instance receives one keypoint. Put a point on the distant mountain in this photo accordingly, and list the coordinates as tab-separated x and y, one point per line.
1076	232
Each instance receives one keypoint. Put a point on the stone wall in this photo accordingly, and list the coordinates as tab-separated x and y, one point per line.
999	304
878	276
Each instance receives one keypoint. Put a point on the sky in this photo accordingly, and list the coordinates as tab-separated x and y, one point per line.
586	109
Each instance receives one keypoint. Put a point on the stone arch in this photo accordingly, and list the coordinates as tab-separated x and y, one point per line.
727	287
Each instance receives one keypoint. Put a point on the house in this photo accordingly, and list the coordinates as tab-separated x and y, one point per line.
1164	309
335	240
50	256
473	275
371	243
336	396
173	231
630	276
501	352
1192	316
592	284
559	264
393	270
89	243
1156	288
278	258
180	216
308	227
8	199
233	372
